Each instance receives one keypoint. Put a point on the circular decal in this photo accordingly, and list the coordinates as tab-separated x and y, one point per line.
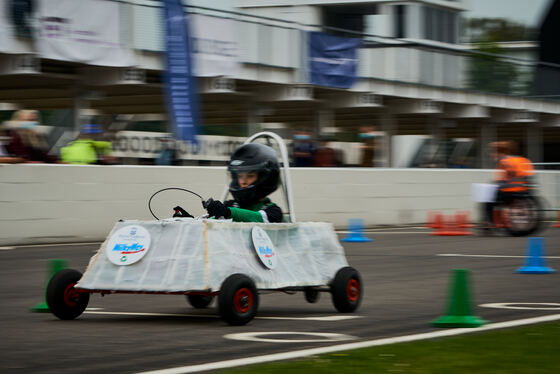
264	248
128	245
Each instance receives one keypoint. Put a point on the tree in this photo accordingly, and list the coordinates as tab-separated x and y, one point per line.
490	73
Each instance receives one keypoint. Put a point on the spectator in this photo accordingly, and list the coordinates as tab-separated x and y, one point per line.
367	137
87	149
325	156
168	153
5	157
303	149
25	141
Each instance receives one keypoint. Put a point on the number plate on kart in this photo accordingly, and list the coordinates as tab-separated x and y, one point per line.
128	245
264	248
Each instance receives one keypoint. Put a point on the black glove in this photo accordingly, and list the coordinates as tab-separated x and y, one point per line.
217	209
180	212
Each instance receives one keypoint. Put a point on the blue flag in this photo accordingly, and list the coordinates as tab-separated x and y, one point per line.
333	60
178	79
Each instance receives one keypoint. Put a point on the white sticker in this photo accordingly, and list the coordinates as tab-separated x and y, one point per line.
128	245
264	248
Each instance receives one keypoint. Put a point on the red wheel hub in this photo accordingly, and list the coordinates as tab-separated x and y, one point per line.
243	300
353	290
71	295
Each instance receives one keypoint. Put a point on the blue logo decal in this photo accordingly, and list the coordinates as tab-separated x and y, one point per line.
127	249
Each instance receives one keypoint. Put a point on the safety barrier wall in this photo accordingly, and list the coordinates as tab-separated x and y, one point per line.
65	203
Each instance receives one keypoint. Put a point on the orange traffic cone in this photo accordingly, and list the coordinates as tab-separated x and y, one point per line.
453	226
434	220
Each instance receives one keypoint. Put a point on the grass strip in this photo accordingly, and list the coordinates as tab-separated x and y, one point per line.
528	350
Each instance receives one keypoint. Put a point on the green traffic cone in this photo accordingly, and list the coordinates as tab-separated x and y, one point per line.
459	311
55	265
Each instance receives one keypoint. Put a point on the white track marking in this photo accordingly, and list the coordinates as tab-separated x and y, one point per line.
324	319
7	248
489	256
551	306
347	346
257	337
327	318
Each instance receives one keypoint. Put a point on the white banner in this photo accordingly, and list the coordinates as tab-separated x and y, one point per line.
6	30
215	46
85	31
144	144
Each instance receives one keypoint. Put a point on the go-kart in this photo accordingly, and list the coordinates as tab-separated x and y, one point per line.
207	258
520	214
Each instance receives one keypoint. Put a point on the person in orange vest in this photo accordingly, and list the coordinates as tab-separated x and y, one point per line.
513	174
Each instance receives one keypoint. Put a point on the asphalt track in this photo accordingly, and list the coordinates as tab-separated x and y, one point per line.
405	274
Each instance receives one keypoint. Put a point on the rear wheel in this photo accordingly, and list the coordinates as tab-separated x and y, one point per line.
311	294
63	299
346	290
238	300
522	216
200	301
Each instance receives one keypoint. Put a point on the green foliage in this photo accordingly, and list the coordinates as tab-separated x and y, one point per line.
494	74
498	30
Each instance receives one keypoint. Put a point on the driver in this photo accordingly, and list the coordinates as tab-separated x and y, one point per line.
255	174
513	174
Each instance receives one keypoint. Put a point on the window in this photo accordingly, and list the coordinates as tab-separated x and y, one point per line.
440	25
400	19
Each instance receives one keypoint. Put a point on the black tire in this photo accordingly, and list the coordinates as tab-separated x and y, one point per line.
524	216
347	290
63	300
312	295
200	301
238	300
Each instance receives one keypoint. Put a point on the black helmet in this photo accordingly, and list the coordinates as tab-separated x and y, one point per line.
258	158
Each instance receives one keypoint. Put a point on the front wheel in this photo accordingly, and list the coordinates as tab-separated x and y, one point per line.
346	290
238	300
63	299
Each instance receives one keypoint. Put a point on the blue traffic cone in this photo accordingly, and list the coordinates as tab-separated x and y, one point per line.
535	263
356	232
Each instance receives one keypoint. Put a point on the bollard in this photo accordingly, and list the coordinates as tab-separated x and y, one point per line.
535	263
459	309
55	265
356	232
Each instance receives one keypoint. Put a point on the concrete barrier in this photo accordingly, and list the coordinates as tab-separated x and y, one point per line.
42	203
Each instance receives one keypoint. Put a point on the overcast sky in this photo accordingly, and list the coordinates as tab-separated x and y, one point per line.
528	12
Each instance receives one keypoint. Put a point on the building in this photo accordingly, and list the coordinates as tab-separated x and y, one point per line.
412	76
